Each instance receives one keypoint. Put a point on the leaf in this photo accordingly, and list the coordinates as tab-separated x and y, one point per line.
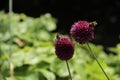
43	35
48	22
115	49
94	71
49	75
32	76
60	68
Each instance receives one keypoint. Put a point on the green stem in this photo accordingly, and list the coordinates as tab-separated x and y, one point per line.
11	37
68	69
10	25
91	52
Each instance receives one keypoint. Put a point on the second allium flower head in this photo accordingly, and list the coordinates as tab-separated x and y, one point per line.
82	31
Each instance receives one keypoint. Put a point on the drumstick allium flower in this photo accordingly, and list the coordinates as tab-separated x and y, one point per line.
64	48
82	31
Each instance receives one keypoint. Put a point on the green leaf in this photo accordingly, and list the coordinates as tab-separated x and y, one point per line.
32	76
48	22
48	74
115	49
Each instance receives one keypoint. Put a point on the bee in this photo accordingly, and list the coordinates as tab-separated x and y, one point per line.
93	24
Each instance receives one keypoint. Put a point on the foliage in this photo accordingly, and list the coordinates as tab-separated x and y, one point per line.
33	54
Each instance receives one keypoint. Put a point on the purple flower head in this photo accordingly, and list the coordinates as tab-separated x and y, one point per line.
64	48
82	31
